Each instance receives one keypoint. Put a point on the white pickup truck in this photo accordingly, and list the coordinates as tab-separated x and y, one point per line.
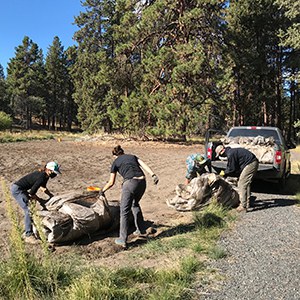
267	143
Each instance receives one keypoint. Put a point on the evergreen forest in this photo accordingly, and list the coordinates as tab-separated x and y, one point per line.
163	69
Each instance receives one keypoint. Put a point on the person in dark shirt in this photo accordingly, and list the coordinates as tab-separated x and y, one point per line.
25	189
243	164
130	167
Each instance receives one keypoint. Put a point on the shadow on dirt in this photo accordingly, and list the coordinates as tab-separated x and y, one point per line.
205	221
276	195
180	229
113	232
291	188
170	231
269	203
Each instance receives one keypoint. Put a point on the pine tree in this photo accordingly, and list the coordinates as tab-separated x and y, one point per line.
175	46
4	103
253	28
57	82
290	38
70	105
92	71
25	74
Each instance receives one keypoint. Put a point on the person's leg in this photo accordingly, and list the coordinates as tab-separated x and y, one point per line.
22	200
252	169
125	209
244	183
139	190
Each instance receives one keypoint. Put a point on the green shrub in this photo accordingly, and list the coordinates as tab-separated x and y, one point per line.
5	121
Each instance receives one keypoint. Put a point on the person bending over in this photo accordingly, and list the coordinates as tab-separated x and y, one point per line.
130	167
196	164
25	189
243	164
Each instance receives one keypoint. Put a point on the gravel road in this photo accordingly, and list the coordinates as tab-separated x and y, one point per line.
263	253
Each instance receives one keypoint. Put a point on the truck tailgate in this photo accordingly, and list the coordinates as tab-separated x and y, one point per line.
219	165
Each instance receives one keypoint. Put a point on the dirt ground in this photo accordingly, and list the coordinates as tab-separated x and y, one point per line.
87	162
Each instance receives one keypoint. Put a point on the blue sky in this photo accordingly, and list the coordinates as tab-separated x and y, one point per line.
40	20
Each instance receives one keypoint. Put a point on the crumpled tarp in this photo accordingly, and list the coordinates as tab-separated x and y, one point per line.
201	190
71	216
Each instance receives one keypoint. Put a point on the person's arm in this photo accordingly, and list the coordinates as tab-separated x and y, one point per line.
110	183
34	197
148	170
208	164
35	187
145	167
230	169
46	191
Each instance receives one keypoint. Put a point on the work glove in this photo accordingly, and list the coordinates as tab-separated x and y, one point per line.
42	203
101	194
155	179
222	173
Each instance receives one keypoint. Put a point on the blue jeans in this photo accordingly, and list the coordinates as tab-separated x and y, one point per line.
132	192
23	199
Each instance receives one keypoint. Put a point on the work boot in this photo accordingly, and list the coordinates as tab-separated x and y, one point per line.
31	239
241	208
137	233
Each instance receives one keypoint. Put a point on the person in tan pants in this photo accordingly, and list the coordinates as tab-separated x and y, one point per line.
244	164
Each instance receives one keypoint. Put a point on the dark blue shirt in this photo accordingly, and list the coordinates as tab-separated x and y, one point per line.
237	160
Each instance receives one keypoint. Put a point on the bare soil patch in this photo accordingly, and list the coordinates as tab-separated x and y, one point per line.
85	163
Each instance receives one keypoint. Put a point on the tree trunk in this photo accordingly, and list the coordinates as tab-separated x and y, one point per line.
278	88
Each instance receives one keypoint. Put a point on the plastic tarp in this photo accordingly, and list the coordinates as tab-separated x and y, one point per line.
71	216
201	190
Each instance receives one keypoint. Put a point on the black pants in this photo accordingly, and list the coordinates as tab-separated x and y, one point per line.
132	192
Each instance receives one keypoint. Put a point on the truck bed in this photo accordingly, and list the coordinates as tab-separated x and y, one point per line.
267	143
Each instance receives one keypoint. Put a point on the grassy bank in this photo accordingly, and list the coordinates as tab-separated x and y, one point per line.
28	274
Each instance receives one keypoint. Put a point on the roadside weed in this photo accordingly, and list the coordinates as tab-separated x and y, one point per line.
24	275
134	283
18	283
216	252
198	248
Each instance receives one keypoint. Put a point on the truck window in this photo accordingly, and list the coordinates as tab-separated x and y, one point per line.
254	133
